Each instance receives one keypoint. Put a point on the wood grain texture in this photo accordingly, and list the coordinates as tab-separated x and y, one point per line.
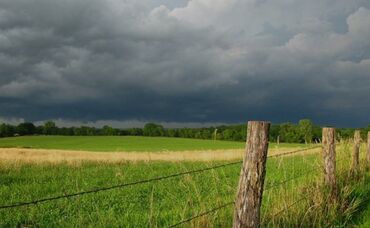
356	151
329	158
252	176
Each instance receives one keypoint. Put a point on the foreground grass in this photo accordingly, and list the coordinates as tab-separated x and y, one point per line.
122	143
159	204
166	202
156	204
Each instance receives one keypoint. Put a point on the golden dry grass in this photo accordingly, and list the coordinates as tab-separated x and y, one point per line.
22	155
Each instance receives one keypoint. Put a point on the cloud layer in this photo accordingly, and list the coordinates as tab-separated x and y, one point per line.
203	61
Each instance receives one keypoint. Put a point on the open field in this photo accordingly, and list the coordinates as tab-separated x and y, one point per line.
159	204
162	203
62	156
56	149
122	143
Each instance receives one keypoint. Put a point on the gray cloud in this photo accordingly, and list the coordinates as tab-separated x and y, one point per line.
200	61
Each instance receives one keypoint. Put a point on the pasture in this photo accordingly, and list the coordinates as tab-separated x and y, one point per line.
166	202
123	143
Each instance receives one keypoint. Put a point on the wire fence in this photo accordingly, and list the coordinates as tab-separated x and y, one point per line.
203	214
160	178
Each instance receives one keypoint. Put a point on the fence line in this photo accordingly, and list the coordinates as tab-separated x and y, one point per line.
155	179
267	188
291	179
293	152
118	186
203	214
297	176
286	208
34	202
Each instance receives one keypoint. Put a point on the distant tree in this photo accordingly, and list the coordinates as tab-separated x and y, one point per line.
289	133
39	130
135	131
152	129
345	133
6	130
26	129
85	131
274	132
107	130
228	134
65	131
305	128
50	128
171	133
317	134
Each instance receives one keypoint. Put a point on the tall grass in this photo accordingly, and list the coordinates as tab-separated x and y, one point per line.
167	202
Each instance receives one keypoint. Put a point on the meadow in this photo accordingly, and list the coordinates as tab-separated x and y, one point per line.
166	202
123	143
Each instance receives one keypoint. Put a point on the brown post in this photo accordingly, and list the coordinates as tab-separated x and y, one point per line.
368	148
328	152
356	151
252	176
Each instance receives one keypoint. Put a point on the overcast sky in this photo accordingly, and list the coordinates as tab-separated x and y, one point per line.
198	61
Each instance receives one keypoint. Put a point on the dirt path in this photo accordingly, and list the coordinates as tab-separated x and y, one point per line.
57	156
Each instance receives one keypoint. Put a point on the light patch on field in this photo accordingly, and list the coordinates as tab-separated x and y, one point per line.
21	155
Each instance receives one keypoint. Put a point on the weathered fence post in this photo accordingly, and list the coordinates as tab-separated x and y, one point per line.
328	152
356	151
368	148
252	176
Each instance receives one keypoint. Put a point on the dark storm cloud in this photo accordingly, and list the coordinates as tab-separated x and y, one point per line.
204	61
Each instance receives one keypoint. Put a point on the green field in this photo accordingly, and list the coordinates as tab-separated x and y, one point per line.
156	204
166	202
122	143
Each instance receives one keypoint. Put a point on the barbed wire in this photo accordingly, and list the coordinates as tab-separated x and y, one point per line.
269	187
34	202
286	208
202	214
181	174
20	204
292	178
293	152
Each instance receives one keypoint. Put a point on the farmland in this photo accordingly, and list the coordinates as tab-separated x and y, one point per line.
123	143
166	202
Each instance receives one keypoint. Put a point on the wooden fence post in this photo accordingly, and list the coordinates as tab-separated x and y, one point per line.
328	152
356	151
368	148
252	176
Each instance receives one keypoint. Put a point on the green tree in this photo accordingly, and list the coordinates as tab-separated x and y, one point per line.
171	133
152	129
228	134
289	133
49	128
6	130
107	130
26	129
305	128
135	131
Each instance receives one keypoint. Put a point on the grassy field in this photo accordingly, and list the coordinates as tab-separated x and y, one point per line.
156	204
167	202
122	143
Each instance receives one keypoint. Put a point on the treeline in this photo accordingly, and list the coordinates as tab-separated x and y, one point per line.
303	132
